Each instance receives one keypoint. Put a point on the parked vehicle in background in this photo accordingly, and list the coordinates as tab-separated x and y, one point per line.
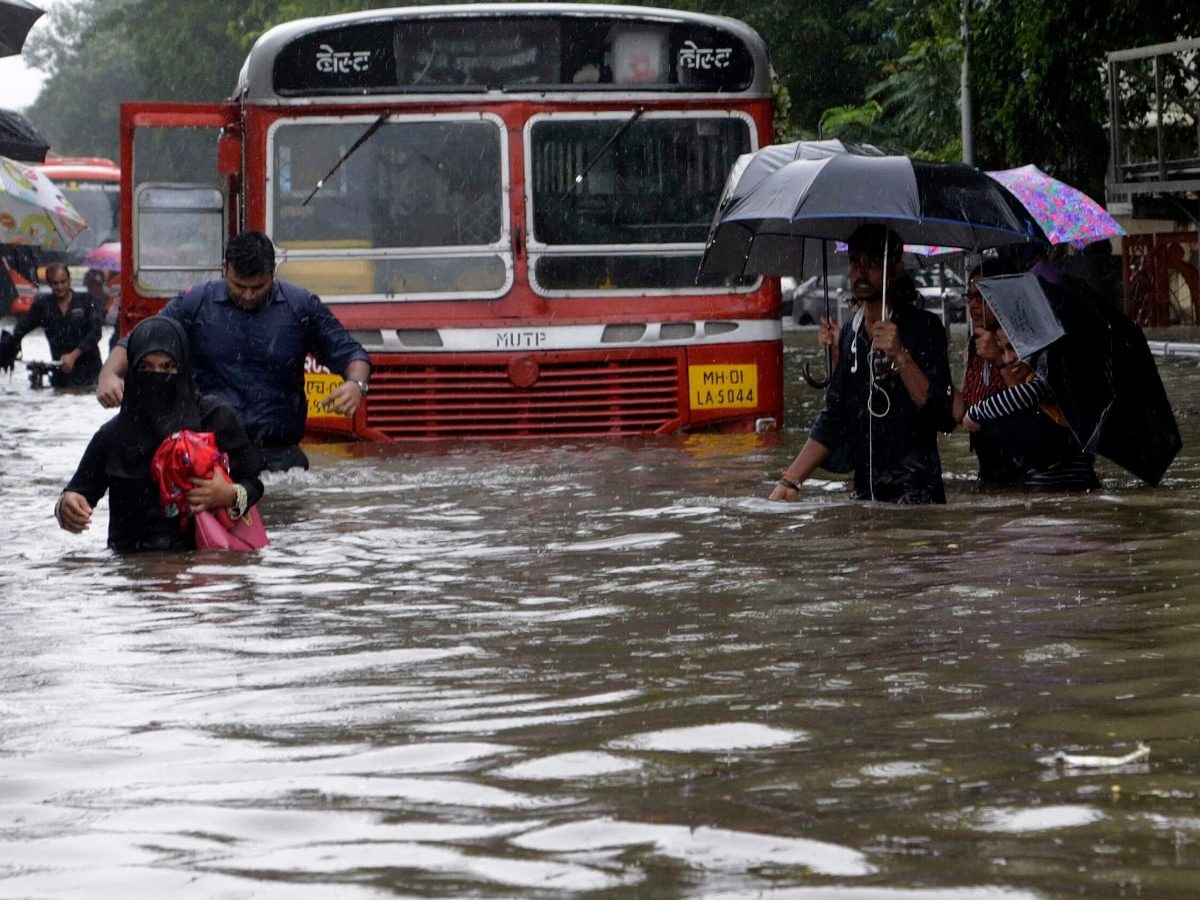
941	287
17	291
92	185
943	290
804	301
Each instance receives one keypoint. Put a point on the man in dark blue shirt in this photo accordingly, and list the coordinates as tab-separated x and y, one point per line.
250	335
72	322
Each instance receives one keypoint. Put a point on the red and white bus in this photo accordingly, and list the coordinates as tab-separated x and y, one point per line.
505	203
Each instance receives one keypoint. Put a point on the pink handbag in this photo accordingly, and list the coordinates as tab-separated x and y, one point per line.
245	534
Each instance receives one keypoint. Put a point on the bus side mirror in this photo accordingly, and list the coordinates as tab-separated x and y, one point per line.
229	154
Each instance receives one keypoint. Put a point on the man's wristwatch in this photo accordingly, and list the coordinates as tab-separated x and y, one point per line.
363	386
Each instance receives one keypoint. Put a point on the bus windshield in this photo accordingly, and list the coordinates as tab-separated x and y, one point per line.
99	202
421	199
627	209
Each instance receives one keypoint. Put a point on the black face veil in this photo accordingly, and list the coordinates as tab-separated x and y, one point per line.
155	404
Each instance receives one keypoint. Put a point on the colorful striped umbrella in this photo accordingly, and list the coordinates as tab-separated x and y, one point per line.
1066	214
33	211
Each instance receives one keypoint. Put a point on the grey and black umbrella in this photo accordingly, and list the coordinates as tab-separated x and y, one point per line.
828	190
16	18
20	140
942	204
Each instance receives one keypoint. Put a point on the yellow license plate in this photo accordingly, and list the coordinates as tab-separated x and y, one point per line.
317	388
723	387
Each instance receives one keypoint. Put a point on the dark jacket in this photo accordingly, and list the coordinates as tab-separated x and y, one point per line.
254	361
894	451
136	520
78	329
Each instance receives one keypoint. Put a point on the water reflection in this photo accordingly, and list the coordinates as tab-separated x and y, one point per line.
608	669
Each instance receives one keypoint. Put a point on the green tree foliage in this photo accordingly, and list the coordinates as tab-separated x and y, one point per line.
189	51
808	44
1039	78
879	70
87	62
919	98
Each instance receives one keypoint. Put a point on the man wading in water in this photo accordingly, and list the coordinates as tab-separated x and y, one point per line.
890	392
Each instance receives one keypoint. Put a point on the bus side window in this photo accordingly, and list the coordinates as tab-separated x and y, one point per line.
179	236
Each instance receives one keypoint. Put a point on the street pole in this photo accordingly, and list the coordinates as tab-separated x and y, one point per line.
968	141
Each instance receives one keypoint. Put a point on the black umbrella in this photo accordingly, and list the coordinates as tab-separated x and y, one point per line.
944	204
747	172
1098	366
16	18
750	169
19	140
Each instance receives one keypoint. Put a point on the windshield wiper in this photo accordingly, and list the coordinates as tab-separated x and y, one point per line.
603	151
362	139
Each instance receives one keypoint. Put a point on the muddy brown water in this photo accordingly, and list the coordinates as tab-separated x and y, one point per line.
602	669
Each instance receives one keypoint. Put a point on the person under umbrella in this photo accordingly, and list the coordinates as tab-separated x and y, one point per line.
160	399
1096	365
1024	426
890	393
984	375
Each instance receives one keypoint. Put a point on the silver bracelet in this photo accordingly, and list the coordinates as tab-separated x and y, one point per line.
240	503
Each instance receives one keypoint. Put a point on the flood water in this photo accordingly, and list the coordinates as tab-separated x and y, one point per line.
606	670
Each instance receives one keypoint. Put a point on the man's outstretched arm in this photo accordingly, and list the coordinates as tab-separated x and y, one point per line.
110	388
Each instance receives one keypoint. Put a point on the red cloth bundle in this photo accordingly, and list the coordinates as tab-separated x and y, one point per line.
185	455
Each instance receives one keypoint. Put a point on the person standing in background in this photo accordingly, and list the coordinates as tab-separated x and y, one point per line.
72	323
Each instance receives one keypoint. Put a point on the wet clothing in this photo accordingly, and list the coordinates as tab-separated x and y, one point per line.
117	460
254	360
981	379
1026	431
76	329
136	521
894	451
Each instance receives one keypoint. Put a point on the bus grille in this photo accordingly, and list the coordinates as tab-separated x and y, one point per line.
478	401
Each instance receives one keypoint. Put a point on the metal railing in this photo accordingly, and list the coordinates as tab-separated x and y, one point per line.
1154	122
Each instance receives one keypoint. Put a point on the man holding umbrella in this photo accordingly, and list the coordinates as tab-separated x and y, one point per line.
890	392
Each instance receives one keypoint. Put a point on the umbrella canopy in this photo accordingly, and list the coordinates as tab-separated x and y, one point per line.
1023	310
750	169
19	139
946	204
16	18
1098	366
1067	215
106	256
33	211
747	172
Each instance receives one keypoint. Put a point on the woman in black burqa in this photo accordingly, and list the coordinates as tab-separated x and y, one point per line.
160	399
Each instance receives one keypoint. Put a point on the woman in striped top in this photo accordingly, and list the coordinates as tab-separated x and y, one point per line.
1027	425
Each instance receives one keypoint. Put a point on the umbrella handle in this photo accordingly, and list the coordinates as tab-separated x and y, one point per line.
819	383
812	380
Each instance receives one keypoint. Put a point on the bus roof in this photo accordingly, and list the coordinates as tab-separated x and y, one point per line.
83	168
358	54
